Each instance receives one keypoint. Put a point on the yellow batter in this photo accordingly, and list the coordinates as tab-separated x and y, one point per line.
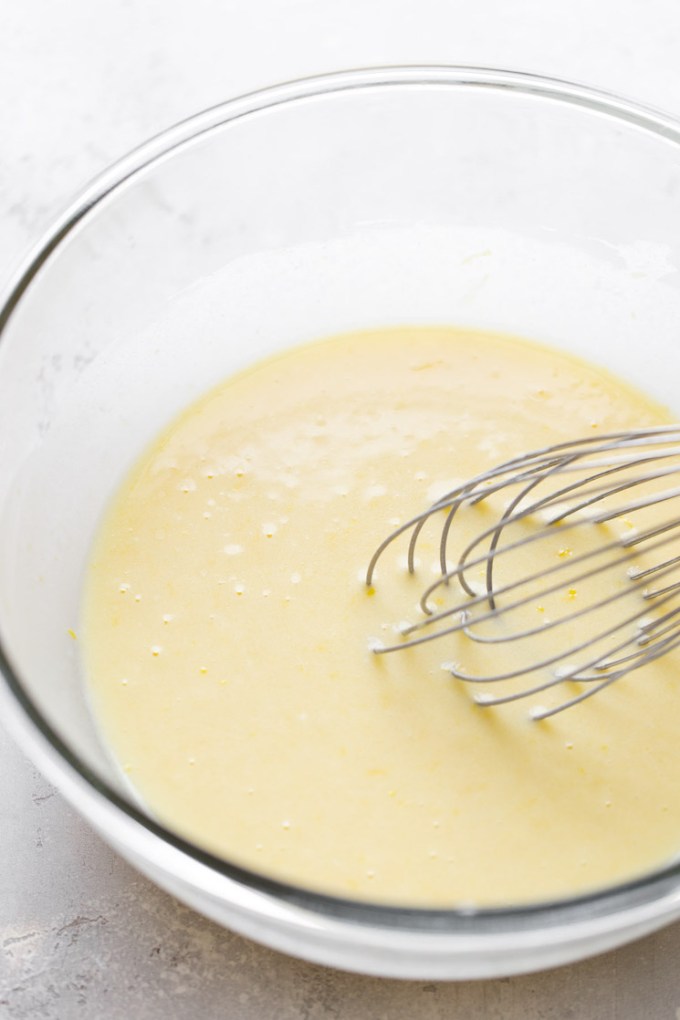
227	628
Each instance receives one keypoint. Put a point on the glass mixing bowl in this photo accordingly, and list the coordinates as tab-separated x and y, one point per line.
422	194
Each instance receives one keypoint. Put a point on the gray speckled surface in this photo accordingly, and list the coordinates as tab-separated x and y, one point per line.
81	934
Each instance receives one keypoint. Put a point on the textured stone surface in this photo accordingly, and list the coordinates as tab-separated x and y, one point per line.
81	934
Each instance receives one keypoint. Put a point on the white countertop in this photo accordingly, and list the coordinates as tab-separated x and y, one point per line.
81	934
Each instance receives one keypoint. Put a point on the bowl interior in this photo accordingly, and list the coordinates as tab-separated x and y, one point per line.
277	222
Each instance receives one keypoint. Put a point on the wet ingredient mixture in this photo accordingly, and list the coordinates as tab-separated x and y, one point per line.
227	631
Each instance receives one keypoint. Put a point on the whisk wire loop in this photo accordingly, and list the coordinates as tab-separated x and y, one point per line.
580	487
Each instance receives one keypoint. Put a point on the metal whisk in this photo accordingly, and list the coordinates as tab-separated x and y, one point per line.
608	493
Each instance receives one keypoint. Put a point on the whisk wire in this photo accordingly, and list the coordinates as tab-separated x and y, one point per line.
572	485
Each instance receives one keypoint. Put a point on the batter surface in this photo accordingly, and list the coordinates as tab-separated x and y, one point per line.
227	628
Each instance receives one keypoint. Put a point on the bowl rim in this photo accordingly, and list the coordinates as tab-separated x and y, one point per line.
35	730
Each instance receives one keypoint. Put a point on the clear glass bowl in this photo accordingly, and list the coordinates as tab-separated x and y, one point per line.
432	194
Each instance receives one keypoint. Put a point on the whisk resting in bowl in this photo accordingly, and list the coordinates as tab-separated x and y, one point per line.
576	565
